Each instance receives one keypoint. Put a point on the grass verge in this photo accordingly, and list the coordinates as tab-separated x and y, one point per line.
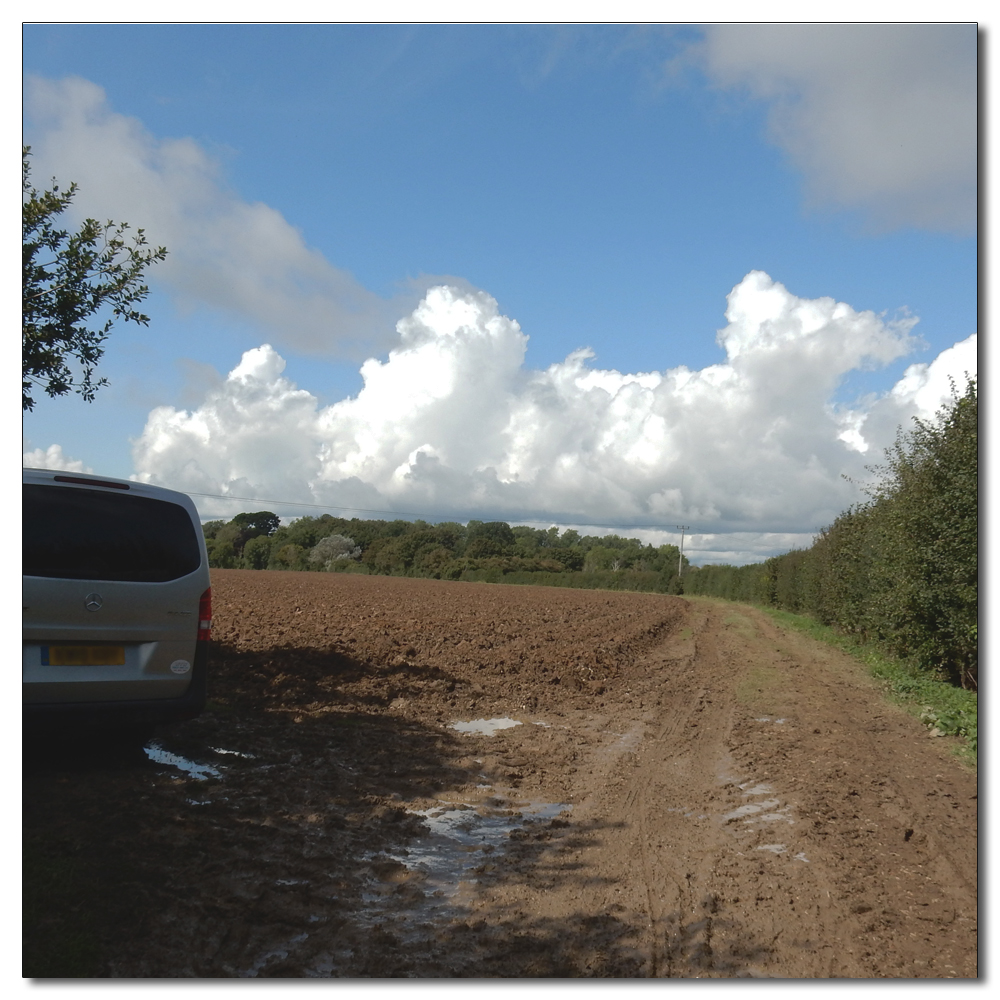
938	704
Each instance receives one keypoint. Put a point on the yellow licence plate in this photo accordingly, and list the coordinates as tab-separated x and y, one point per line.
83	656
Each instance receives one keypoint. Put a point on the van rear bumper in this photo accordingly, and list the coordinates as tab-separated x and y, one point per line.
137	714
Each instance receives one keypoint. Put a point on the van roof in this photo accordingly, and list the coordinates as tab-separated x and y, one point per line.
89	480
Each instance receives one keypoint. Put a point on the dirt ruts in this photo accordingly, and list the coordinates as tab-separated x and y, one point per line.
681	789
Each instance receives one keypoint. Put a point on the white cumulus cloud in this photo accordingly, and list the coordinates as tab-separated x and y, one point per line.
452	424
223	251
52	458
922	391
879	117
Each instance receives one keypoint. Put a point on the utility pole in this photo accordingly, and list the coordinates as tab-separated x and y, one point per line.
680	554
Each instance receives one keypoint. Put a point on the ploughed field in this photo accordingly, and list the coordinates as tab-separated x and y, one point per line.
420	778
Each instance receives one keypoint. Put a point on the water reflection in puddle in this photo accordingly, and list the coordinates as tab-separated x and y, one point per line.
419	888
463	834
420	885
750	809
158	755
201	772
751	821
487	727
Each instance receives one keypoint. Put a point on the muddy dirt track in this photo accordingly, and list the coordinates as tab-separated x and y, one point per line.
689	791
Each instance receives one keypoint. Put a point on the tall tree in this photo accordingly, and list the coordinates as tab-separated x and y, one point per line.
70	282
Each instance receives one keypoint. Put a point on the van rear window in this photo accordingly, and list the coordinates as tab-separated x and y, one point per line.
77	534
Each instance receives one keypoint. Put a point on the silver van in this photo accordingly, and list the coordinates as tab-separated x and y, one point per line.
117	603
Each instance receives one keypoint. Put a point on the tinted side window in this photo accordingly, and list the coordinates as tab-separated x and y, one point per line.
78	534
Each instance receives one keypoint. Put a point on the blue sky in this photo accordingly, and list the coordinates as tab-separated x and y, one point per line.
604	187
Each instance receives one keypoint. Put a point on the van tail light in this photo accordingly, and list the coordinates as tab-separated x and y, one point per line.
205	616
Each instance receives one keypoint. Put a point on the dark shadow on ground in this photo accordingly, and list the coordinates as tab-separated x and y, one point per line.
287	772
274	855
309	677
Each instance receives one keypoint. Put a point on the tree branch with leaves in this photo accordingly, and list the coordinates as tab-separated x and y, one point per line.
70	282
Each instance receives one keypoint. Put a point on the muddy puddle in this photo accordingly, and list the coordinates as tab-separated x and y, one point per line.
761	812
464	835
416	891
158	755
484	727
198	770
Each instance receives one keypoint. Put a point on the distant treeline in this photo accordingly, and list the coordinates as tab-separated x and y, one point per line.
490	551
900	570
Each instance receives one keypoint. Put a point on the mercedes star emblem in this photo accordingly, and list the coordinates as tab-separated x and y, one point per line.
93	602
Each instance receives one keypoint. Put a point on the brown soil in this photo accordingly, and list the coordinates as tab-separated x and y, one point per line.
693	792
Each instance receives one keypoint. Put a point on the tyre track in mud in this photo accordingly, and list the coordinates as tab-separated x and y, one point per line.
666	748
655	786
711	851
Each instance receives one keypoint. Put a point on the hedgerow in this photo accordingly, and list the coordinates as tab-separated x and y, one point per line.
899	570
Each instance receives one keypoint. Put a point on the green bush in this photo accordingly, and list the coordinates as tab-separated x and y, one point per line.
257	552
